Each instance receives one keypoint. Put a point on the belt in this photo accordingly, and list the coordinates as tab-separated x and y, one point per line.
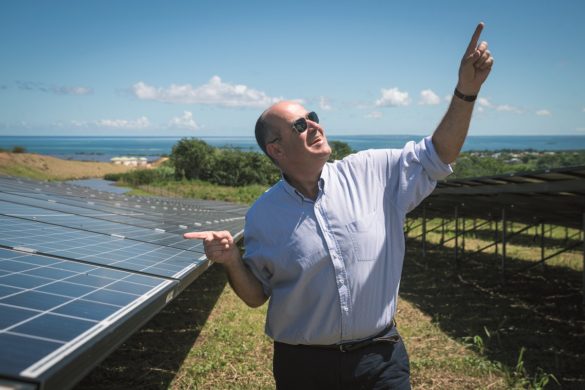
350	346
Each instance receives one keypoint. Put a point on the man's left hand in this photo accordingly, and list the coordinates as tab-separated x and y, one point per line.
475	66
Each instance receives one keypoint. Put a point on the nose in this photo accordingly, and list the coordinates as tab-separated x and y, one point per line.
313	126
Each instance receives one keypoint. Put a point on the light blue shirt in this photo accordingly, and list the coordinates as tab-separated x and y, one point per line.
332	266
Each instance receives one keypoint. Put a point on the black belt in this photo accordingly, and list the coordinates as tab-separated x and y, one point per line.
354	345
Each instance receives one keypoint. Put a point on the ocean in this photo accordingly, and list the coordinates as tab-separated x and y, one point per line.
104	148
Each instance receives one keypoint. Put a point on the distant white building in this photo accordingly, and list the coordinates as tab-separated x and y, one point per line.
130	161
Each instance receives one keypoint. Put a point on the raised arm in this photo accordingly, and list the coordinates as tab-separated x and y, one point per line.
475	67
220	248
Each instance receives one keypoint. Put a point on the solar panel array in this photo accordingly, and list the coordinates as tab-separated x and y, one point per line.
81	270
554	196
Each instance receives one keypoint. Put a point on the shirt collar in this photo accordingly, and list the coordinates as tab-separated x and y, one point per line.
293	192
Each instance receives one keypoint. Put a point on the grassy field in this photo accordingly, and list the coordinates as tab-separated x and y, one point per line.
199	189
39	167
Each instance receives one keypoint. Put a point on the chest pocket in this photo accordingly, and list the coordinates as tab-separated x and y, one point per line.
368	236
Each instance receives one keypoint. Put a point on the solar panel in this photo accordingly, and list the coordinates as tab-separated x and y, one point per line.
81	270
55	312
102	249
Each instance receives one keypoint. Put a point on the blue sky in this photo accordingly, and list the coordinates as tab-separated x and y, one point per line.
189	68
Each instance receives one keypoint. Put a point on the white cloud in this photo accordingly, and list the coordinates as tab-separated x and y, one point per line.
583	109
324	104
428	97
480	109
393	97
215	92
140	123
184	122
484	102
374	115
543	113
56	89
509	108
448	98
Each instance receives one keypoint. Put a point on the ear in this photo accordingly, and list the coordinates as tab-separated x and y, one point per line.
274	150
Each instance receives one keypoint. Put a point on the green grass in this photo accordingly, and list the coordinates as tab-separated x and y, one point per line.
199	189
24	171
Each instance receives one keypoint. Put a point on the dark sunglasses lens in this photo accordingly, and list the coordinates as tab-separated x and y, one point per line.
300	125
312	116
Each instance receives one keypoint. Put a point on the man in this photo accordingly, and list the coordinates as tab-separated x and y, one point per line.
325	243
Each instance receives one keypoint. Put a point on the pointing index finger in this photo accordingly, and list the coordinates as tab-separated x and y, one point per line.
474	39
197	235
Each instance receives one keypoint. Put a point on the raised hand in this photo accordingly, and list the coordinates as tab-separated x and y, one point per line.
219	246
475	66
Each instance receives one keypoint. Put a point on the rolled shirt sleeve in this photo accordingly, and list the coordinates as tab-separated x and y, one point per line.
417	169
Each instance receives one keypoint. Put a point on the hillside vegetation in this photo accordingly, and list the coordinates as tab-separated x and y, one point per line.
36	166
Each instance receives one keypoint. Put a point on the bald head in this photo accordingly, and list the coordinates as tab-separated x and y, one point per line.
270	123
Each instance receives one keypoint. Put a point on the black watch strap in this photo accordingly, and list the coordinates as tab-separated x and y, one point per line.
467	98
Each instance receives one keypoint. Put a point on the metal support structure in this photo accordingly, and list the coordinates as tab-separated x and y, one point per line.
504	226
584	261
496	238
456	237
443	231
463	236
508	237
542	246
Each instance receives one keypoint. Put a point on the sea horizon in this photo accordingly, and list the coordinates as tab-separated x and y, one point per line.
103	148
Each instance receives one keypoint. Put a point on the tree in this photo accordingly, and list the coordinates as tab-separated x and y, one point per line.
193	159
339	150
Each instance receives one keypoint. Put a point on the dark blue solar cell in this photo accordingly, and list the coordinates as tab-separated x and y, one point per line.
109	273
50	272
86	309
143	279
37	260
7	254
5	290
55	327
13	315
67	289
24	281
131	288
75	267
35	300
90	280
15	266
113	297
19	352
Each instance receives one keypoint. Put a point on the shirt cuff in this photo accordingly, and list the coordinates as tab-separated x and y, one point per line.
435	168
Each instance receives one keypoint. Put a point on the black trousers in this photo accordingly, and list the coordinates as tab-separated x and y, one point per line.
378	366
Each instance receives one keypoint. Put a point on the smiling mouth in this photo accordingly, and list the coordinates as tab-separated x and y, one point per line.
317	140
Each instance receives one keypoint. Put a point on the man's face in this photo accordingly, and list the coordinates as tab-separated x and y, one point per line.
298	150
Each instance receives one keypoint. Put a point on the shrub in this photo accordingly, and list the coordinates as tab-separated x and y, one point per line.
113	176
233	167
19	149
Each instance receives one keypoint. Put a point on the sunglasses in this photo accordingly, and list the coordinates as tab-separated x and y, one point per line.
301	125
